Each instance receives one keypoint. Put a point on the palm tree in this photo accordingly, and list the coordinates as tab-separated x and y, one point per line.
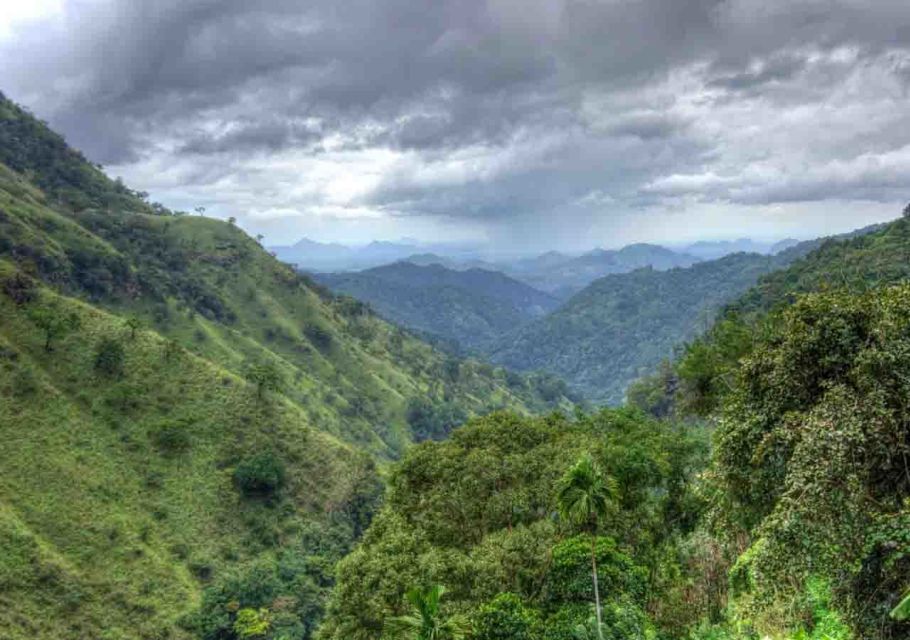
585	498
425	621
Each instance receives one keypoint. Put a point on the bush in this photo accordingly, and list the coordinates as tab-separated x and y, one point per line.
319	336
20	288
430	421
505	618
259	475
172	438
109	357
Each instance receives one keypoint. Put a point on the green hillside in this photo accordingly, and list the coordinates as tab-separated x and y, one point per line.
467	309
623	325
855	263
117	499
793	527
187	422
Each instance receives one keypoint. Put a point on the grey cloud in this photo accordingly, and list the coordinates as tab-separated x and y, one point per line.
481	109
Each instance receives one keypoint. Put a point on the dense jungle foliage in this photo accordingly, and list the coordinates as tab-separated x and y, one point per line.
793	526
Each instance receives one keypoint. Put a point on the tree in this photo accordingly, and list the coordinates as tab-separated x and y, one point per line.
906	212
262	474
506	618
53	324
586	496
425	622
265	376
109	357
133	324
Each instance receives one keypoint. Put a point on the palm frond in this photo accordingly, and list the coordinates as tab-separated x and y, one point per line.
902	610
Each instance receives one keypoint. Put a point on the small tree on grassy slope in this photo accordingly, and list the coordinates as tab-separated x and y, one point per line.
265	376
53	324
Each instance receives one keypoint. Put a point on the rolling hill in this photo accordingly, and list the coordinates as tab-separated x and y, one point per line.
854	263
468	308
623	325
563	275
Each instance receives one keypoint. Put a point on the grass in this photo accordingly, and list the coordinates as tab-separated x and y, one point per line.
101	527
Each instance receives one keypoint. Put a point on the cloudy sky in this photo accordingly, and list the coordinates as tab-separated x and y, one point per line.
537	123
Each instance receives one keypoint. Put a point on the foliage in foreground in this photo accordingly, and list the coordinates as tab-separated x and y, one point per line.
478	513
809	460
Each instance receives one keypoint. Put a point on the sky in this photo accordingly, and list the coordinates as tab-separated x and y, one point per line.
539	124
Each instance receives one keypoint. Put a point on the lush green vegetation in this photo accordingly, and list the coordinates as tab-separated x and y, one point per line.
702	375
198	443
192	432
467	309
794	527
809	460
621	326
478	514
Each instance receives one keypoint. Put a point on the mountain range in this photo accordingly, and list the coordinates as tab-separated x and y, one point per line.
468	308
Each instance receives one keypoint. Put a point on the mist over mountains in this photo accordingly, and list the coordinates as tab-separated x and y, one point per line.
557	273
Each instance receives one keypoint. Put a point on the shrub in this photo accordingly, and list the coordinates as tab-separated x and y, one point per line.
20	288
319	336
505	618
259	475
430	421
109	358
172	438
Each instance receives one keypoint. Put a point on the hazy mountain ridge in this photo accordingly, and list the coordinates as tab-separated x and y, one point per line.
471	307
563	277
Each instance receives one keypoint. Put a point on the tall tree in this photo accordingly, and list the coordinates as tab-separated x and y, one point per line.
586	496
425	622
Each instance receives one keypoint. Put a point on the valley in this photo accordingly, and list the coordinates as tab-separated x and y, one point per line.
203	439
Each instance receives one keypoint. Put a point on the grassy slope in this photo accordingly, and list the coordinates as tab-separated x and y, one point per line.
102	529
211	287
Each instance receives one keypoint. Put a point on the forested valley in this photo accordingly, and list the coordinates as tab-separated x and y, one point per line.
201	442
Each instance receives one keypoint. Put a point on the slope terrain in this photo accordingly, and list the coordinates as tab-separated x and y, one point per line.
623	325
469	308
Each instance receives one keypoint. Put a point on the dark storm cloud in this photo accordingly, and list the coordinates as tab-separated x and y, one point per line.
483	109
